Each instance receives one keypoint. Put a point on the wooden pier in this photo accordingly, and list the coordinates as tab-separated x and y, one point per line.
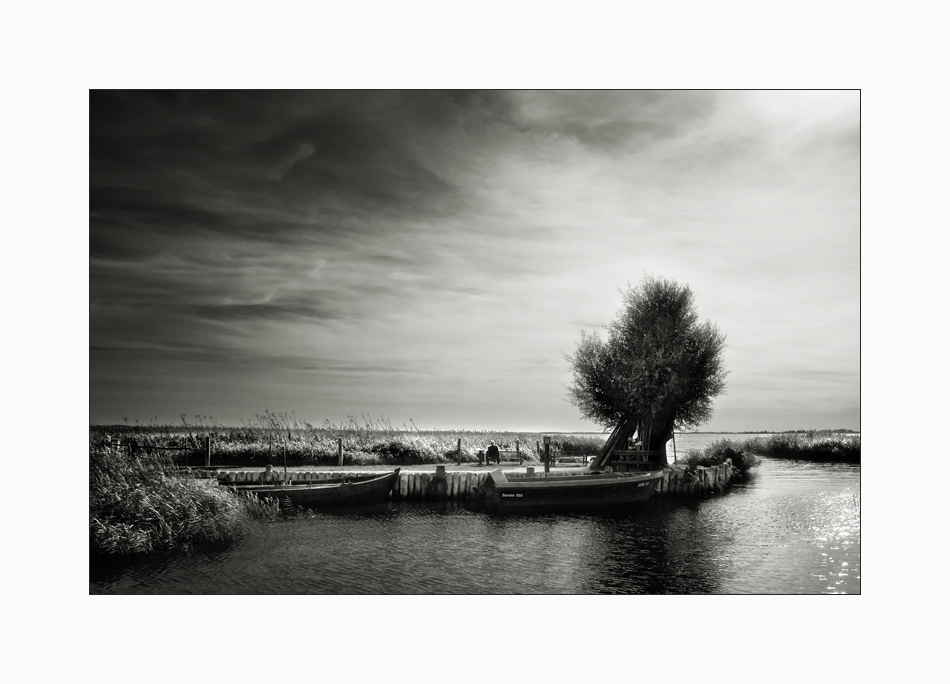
439	484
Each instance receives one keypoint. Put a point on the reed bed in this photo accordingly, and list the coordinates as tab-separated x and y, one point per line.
140	505
272	437
808	446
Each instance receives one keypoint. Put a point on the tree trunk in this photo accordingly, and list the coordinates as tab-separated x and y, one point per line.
659	435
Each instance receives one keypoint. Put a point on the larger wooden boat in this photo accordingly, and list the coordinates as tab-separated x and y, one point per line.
565	492
345	493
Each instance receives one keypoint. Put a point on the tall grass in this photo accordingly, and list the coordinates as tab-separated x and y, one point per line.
271	437
811	446
137	505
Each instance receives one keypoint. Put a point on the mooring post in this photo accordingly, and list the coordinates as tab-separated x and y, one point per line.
339	447
518	451
208	452
458	450
547	454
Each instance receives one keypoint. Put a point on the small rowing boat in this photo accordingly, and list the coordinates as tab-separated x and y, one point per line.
565	492
344	493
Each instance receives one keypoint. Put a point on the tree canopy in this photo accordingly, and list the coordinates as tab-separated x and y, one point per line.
659	365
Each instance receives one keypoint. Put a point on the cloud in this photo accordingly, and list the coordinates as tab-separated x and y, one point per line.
452	234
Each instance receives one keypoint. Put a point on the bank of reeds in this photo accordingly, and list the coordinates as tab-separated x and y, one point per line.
272	437
808	446
139	504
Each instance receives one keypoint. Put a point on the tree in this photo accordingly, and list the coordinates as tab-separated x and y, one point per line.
658	369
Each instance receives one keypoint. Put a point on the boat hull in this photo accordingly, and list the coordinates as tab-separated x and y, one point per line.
568	492
346	493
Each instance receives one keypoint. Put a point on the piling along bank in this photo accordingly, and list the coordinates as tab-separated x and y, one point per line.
420	485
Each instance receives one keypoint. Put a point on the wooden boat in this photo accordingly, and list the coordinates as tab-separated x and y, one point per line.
565	492
348	492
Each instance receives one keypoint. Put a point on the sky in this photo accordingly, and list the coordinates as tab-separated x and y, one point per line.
433	256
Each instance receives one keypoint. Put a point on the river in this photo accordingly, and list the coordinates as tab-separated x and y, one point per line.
791	528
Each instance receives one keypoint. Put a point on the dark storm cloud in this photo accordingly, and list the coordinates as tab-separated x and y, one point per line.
223	205
224	153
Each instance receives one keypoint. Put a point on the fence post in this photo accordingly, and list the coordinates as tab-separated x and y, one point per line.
339	447
458	450
208	452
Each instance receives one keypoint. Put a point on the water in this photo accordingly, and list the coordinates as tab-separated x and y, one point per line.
793	528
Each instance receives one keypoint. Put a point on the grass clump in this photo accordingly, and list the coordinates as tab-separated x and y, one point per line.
139	505
743	459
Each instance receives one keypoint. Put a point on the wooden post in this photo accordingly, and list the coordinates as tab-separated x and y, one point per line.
518	451
339	447
674	447
547	454
208	453
459	450
285	465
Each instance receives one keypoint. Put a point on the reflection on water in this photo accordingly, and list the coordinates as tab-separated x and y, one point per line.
793	528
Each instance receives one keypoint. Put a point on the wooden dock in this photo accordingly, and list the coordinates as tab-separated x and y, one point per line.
440	484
